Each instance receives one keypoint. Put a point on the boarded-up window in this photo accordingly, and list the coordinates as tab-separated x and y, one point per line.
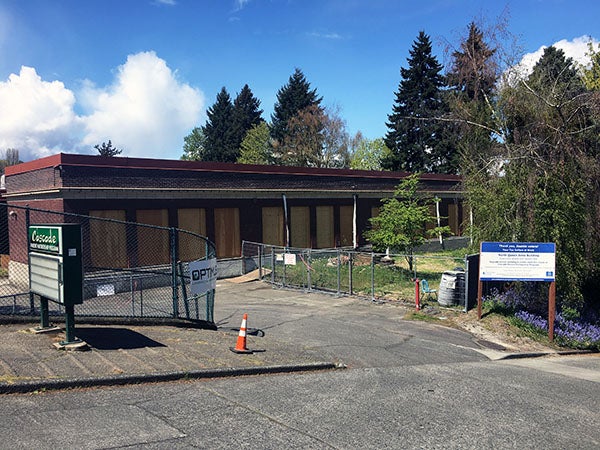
272	226
325	235
346	226
153	243
108	240
194	220
453	218
227	232
300	226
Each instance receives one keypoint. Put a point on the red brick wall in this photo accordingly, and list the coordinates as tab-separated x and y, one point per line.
17	228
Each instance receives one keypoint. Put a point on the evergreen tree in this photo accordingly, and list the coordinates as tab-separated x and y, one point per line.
414	133
473	72
472	80
105	149
220	143
246	114
293	97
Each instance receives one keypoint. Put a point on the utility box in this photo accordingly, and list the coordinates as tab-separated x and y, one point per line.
55	262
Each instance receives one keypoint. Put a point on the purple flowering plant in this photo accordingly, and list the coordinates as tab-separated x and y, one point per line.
569	331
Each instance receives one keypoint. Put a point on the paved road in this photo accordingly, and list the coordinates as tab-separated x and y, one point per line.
352	331
407	385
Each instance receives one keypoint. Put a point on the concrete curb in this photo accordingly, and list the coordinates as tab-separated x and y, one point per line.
542	354
120	380
116	321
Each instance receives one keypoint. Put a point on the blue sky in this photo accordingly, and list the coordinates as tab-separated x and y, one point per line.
142	72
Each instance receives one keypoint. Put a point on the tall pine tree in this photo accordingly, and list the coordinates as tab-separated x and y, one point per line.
246	114
471	96
220	141
293	97
414	133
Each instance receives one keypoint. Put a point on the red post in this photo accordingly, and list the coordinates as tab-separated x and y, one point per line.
417	295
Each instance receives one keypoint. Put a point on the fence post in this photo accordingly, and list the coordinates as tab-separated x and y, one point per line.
27	223
173	242
372	276
338	272
260	269
273	265
350	264
284	266
132	294
308	274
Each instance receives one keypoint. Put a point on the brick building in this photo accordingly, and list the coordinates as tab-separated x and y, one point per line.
228	203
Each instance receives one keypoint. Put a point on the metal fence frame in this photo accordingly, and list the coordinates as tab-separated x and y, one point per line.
142	291
345	263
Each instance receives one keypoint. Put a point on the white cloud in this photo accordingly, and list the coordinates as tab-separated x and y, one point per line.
37	116
146	111
239	4
333	36
575	49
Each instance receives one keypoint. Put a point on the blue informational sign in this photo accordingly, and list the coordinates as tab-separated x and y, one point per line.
517	261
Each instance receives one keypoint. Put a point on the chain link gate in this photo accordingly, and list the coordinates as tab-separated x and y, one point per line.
131	270
348	272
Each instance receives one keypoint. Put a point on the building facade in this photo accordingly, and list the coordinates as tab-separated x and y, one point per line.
228	203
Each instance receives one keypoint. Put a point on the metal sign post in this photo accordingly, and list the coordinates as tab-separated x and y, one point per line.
56	271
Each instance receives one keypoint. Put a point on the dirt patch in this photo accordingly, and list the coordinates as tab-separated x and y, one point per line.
492	331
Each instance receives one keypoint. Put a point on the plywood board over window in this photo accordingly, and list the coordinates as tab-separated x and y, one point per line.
346	226
325	233
273	226
153	243
193	220
227	232
300	226
108	240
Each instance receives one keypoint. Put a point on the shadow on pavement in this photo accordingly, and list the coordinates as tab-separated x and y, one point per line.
115	338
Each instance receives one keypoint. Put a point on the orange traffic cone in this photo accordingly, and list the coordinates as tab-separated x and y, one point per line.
240	347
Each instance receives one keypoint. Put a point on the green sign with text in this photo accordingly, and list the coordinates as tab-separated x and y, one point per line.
45	239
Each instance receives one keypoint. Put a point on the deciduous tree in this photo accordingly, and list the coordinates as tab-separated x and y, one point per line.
402	220
256	146
194	145
367	154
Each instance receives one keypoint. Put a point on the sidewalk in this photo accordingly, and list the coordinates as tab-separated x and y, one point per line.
127	354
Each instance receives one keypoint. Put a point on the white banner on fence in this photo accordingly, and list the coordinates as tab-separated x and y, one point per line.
203	276
290	259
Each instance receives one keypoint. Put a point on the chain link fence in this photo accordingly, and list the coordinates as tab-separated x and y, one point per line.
377	276
130	269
